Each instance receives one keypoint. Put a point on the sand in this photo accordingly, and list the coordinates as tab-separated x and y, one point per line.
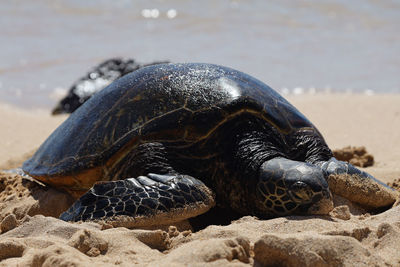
349	236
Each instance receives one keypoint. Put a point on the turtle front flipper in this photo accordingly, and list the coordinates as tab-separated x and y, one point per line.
143	201
358	186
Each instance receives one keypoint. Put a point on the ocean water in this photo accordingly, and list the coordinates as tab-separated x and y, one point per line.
293	46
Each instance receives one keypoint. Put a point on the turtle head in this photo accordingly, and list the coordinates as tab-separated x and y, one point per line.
290	187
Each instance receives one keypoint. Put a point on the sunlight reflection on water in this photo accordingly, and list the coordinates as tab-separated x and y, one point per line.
295	47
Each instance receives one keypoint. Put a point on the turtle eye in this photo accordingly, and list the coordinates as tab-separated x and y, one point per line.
300	191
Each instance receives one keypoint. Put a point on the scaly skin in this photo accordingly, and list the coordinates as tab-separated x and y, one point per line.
146	196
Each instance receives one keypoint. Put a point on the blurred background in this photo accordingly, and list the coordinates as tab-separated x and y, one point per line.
296	47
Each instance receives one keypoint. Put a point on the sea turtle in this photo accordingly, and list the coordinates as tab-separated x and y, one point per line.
95	80
166	142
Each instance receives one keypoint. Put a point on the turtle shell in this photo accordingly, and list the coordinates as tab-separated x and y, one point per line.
168	103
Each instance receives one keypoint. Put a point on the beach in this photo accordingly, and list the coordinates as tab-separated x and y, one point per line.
337	62
348	236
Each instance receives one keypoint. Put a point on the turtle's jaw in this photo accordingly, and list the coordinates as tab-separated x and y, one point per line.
322	204
322	207
313	202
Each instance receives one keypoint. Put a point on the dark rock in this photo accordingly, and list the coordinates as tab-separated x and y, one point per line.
95	80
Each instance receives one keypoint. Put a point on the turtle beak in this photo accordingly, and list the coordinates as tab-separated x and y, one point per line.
320	199
322	207
323	204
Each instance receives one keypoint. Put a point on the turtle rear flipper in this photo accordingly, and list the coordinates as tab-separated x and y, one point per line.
357	186
143	201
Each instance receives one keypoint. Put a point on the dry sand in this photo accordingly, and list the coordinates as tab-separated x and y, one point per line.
347	237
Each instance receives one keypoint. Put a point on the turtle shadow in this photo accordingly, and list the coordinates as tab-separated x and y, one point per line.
215	216
310	217
225	216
